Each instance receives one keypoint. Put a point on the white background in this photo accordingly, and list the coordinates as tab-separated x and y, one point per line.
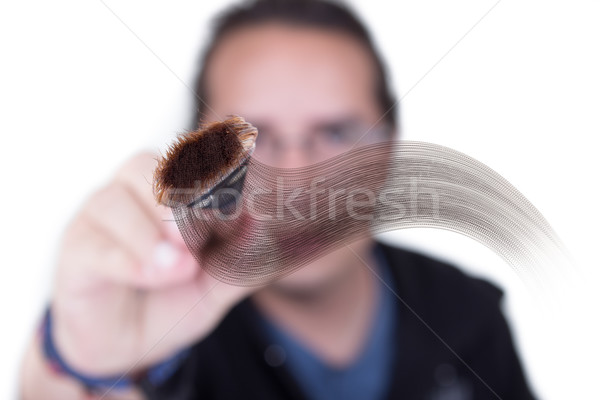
80	93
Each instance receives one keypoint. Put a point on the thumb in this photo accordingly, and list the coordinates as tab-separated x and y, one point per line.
169	264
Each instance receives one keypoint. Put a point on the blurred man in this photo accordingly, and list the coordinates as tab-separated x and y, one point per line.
133	313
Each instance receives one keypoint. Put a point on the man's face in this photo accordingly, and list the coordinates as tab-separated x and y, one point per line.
311	94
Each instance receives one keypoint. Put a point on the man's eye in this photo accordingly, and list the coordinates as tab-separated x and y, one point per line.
335	134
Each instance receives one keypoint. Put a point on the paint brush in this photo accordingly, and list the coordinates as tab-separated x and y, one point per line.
206	168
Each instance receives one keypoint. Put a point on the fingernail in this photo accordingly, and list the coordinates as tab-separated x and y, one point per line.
165	255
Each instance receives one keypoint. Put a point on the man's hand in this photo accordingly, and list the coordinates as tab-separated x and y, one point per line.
127	291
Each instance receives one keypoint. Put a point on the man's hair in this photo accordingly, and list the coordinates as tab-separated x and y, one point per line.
319	14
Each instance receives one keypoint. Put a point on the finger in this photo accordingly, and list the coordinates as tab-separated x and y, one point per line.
137	175
115	210
137	172
93	254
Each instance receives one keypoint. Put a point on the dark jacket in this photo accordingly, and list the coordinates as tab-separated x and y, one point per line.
453	343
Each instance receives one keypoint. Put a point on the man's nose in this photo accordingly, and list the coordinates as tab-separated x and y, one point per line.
294	154
293	157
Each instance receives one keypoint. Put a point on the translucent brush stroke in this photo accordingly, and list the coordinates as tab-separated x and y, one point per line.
286	218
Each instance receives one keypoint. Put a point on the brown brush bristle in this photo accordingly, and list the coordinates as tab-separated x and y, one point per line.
199	159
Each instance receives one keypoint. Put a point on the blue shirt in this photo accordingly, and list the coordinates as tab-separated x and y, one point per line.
368	377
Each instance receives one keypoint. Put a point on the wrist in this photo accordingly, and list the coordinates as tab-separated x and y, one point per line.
93	384
39	381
